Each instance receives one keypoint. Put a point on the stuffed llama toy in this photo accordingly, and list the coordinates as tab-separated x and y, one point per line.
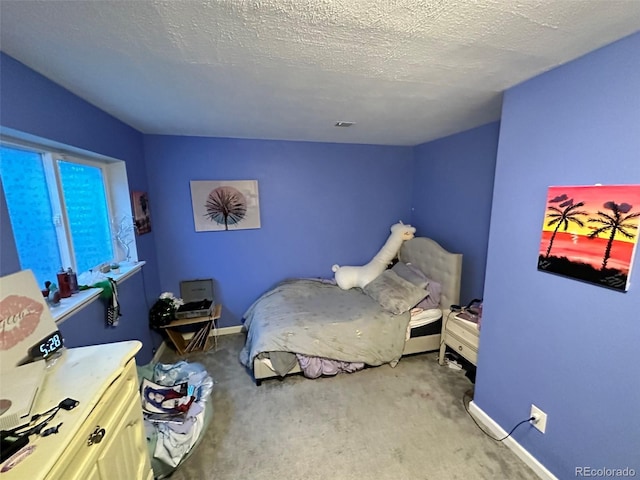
348	277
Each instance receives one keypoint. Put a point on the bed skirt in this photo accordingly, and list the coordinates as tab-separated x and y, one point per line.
425	338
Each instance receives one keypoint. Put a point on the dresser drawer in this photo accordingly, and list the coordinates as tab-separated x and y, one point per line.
462	347
106	415
123	454
463	331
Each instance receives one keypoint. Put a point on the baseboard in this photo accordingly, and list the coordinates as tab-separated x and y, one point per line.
213	333
228	330
159	352
510	442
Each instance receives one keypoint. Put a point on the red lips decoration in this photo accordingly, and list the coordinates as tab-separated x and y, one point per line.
19	317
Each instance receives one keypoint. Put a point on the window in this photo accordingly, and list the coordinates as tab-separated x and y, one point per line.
85	199
64	208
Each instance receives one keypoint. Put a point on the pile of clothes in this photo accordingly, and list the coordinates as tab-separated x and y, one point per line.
170	441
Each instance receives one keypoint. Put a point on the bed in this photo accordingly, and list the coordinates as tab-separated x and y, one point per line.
315	318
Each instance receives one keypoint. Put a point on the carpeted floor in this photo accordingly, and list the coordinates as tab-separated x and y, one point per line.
381	423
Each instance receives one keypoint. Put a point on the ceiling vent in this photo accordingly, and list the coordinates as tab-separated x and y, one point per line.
344	124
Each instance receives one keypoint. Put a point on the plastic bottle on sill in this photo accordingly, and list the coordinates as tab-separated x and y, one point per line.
73	280
63	282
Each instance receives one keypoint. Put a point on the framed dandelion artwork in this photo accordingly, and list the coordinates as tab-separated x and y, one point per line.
590	233
225	205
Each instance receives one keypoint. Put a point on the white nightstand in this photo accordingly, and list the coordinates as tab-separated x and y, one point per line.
460	335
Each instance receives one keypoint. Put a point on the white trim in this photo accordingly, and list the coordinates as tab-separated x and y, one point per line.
230	330
75	303
42	145
216	332
514	446
58	208
160	350
121	210
126	270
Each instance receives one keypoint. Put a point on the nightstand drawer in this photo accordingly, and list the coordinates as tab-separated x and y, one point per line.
462	347
463	331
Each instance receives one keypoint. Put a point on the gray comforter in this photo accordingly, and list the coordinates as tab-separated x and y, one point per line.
315	318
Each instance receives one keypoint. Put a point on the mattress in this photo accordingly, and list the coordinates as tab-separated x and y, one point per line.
423	317
424	322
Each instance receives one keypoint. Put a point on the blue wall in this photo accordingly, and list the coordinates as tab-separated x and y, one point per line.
320	204
452	191
569	347
33	105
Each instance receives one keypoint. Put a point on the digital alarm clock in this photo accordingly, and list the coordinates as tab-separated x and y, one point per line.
47	346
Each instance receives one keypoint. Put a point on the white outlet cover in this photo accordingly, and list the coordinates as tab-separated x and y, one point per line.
541	424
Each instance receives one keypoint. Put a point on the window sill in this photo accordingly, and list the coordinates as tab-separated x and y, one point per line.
75	303
126	271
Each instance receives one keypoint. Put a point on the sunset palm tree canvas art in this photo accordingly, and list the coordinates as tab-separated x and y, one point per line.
590	233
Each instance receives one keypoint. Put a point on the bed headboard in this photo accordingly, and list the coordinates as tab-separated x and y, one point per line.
436	263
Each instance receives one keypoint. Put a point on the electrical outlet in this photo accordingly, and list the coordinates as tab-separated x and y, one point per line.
541	418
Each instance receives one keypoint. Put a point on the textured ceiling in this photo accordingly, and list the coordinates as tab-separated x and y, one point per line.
406	71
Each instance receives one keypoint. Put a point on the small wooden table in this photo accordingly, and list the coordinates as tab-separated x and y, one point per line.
200	342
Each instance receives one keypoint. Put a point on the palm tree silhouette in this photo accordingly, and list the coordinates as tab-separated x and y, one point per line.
616	223
226	206
562	218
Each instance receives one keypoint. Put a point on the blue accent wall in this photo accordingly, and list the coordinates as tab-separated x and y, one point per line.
320	204
570	348
452	192
30	104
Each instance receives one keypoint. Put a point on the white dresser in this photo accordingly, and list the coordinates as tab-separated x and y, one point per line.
104	380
